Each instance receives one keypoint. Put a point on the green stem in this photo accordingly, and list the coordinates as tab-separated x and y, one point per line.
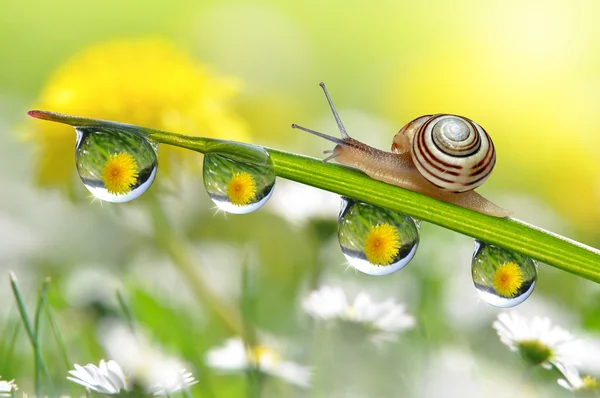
126	310
253	382
247	309
179	253
509	233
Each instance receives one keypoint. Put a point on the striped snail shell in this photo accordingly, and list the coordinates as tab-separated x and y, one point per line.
451	152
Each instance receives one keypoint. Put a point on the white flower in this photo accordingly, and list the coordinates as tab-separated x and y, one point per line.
171	380
574	382
108	378
299	203
326	303
6	387
537	340
157	372
234	356
384	319
589	353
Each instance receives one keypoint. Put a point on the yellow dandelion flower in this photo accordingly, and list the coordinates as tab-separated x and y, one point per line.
241	189
382	244
147	82
119	173
508	279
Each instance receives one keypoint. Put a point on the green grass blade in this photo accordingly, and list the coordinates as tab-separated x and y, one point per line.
40	306
40	365
32	331
511	234
58	338
22	309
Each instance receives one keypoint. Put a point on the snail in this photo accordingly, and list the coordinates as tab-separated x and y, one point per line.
443	156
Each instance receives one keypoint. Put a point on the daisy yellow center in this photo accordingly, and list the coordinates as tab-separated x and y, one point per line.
351	312
263	354
508	279
382	244
119	173
534	351
241	189
590	383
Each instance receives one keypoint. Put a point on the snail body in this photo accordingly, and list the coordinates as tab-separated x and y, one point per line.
442	156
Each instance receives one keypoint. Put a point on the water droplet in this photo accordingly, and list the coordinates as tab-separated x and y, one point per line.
503	278
115	165
240	183
375	240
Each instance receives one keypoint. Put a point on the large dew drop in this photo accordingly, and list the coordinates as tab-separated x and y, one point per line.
374	240
240	183
502	277
115	165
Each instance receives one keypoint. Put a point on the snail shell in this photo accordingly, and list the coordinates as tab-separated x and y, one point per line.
452	152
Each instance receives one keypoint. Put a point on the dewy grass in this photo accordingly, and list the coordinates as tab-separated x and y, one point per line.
508	233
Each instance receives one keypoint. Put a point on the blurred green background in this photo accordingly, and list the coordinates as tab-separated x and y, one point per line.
529	72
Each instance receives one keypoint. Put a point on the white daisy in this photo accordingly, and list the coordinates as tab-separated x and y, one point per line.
298	203
384	319
108	378
233	356
155	371
326	303
573	380
538	342
172	380
6	388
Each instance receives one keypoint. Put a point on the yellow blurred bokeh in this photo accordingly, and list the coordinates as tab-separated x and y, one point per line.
148	82
524	71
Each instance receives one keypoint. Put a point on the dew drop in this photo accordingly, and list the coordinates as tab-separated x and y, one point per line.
503	278
240	183
115	165
375	240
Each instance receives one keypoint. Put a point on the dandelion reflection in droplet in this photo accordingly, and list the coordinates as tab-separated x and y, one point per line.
115	165
374	240
502	277
240	183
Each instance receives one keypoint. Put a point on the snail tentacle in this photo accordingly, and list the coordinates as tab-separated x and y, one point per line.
338	120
